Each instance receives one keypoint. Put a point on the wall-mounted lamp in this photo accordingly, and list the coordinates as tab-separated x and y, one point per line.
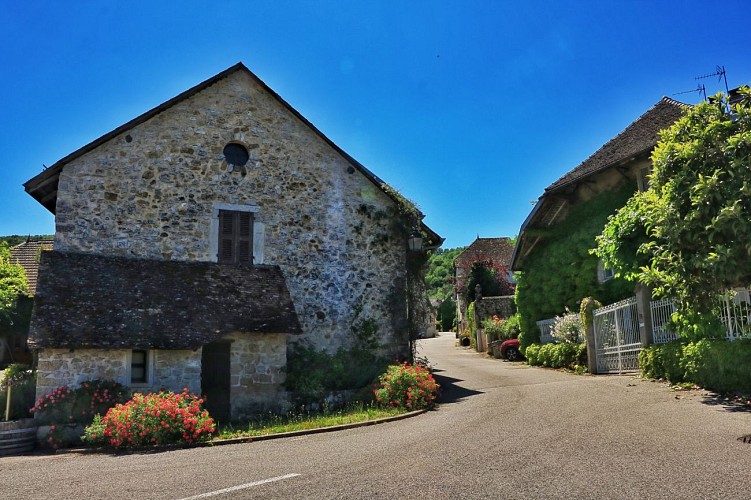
415	242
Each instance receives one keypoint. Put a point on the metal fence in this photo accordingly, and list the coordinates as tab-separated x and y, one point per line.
546	327
617	337
735	315
662	331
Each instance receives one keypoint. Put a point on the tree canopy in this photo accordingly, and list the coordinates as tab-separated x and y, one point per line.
440	273
12	284
689	234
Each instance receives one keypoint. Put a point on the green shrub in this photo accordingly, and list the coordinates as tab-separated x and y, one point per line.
407	386
23	390
533	354
528	337
510	328
313	374
492	328
717	365
471	325
565	355
152	419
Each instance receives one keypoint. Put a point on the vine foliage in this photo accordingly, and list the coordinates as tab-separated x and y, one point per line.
561	270
689	235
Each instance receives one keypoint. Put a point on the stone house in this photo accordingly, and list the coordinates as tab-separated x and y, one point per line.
197	242
495	253
611	175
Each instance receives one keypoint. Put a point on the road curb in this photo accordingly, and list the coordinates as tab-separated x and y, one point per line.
248	439
318	430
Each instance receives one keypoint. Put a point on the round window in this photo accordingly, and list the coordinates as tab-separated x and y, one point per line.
236	154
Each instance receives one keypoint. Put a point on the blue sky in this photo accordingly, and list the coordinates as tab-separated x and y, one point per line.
469	108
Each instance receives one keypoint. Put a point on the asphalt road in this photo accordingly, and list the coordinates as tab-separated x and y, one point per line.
504	430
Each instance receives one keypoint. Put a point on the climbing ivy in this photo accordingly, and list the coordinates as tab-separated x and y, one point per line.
561	271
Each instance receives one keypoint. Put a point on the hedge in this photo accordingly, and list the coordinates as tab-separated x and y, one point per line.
717	365
564	355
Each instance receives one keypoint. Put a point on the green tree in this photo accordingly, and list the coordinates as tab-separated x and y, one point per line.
440	274
689	234
447	314
12	284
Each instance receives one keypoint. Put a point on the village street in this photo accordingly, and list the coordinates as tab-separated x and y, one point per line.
503	431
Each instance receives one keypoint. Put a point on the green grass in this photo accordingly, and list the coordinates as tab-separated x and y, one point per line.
275	424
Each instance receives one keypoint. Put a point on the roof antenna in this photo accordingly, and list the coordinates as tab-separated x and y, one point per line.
699	88
719	72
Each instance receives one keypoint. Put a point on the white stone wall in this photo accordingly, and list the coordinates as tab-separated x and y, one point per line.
257	375
171	370
150	193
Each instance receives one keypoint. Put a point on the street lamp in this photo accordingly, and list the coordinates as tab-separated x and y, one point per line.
415	242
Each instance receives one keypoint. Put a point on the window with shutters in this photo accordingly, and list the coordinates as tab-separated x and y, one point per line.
235	237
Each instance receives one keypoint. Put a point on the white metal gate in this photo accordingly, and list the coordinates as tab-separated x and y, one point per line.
617	337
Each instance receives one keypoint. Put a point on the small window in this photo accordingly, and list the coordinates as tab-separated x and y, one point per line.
235	237
236	154
642	178
139	373
603	273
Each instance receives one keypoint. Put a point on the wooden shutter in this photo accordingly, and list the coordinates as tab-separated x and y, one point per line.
244	237
226	237
235	237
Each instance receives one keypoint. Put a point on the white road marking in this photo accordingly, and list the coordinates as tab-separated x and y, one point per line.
241	487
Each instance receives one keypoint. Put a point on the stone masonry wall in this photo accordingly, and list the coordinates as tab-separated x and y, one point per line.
150	193
257	374
172	370
503	307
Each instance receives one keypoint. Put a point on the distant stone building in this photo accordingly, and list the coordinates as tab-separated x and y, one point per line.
496	254
195	242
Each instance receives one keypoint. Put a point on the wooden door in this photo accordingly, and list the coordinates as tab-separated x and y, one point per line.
215	379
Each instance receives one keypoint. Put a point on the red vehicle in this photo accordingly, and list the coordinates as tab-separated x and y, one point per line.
510	350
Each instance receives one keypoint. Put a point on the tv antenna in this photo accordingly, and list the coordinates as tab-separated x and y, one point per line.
719	72
699	88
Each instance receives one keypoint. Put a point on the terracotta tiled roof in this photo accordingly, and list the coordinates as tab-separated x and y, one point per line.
27	256
92	301
498	250
639	137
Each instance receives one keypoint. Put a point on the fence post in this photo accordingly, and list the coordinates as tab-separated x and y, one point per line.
644	310
589	334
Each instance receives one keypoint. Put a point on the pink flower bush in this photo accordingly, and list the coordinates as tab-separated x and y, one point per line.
152	419
76	406
407	386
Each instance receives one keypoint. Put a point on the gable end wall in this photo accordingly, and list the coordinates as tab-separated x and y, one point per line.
150	193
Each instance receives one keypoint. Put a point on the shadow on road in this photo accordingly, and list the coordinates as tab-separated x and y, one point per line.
450	392
733	404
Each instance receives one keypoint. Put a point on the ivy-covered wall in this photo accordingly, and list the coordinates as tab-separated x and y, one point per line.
561	271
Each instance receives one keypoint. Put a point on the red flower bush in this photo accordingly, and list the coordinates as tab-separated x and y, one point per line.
407	386
152	419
